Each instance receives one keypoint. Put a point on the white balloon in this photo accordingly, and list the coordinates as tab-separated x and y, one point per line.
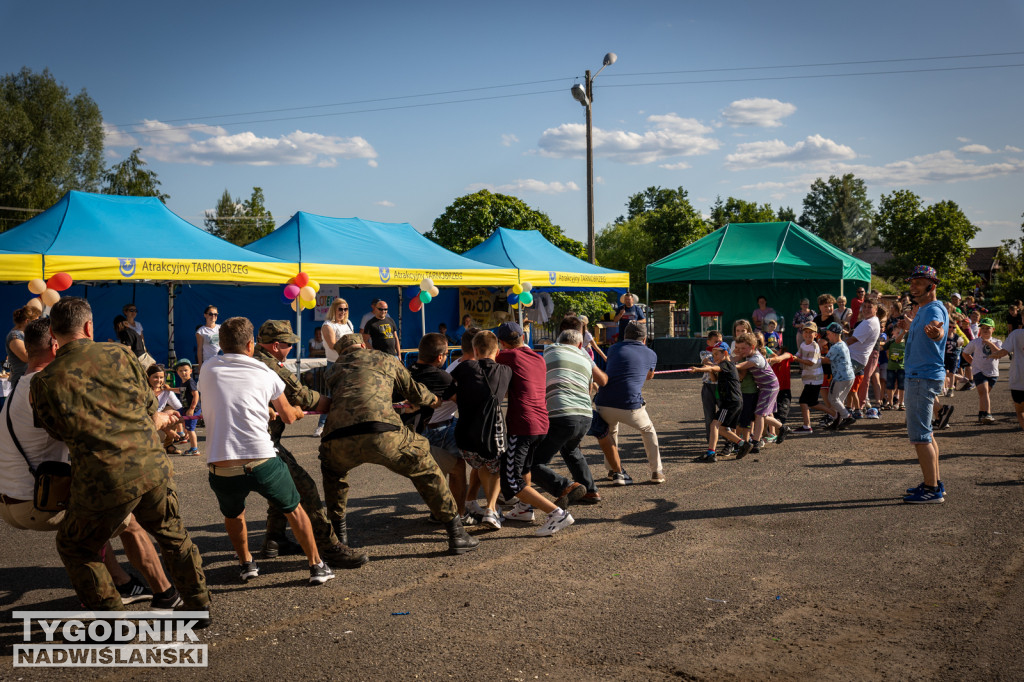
426	284
49	297
527	286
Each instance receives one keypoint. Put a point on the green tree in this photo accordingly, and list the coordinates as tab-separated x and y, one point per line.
667	216
938	235
840	212
240	222
1009	284
628	247
50	142
735	210
471	219
131	178
786	215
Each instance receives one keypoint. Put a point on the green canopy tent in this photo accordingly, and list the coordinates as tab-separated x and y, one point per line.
728	269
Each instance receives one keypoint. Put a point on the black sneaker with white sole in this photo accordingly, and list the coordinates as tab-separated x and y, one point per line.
320	574
248	570
166	602
133	591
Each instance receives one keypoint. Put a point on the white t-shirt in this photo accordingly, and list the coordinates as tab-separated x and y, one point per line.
866	333
137	326
339	329
15	479
811	374
167	398
366	318
1015	344
210	337
237	390
980	353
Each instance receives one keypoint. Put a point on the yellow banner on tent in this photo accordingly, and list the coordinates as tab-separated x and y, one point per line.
93	268
366	275
20	267
551	278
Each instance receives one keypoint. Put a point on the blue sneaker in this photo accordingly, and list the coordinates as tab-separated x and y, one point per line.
919	487
925	495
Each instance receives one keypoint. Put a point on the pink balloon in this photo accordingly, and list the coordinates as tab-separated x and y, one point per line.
291	291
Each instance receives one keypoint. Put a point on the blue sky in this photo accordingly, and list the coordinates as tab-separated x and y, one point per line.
253	83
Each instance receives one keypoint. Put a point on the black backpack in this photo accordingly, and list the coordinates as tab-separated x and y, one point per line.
490	433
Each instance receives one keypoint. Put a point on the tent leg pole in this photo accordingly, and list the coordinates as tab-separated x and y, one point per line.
841	287
689	309
298	346
423	318
172	356
400	316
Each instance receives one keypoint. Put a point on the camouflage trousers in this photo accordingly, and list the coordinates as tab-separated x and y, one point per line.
403	452
309	496
82	534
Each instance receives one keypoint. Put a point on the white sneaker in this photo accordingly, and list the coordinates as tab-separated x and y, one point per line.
556	523
319	431
490	519
520	512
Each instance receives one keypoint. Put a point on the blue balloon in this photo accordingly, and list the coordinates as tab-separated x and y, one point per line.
513	299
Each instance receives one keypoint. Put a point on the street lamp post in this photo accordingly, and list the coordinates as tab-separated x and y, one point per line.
585	96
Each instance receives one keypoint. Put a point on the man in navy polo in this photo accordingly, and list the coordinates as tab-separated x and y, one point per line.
630	364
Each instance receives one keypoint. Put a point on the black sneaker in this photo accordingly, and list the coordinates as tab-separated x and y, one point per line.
944	419
134	590
744	449
846	423
728	449
318	575
166	603
248	570
783	432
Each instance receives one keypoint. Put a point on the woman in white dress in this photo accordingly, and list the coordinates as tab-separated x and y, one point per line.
208	336
335	327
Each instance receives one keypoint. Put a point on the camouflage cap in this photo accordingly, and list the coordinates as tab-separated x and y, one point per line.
347	342
277	330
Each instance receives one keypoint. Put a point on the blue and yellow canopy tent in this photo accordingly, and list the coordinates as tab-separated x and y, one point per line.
111	240
543	264
352	252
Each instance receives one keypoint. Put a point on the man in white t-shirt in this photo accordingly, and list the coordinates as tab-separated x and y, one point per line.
1015	346
17	483
861	344
236	390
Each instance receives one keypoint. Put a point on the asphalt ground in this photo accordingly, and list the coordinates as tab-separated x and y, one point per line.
801	562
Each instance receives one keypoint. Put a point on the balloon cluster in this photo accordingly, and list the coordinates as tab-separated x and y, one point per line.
300	291
520	294
47	290
427	293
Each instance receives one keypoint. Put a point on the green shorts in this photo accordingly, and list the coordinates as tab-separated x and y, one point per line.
271	479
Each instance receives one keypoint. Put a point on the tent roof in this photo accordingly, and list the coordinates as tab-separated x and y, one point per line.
358	252
542	263
758	251
105	237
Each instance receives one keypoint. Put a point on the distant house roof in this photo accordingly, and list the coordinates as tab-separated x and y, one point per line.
982	261
985	259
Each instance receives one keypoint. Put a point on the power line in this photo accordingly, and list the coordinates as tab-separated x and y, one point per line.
805	66
136	126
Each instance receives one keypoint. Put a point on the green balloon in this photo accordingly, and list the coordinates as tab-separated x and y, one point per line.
526	298
425	296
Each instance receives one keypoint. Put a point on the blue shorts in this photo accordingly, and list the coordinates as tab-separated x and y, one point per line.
919	397
895	379
443	436
979	377
190	424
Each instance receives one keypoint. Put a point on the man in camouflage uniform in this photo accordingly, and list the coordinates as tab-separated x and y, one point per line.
363	427
95	398
274	343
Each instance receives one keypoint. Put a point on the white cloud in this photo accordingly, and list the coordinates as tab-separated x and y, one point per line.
527	185
976	149
385	203
757	111
508	139
669	135
815	149
113	137
207	145
372	163
682	165
940	167
1011	148
965	140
